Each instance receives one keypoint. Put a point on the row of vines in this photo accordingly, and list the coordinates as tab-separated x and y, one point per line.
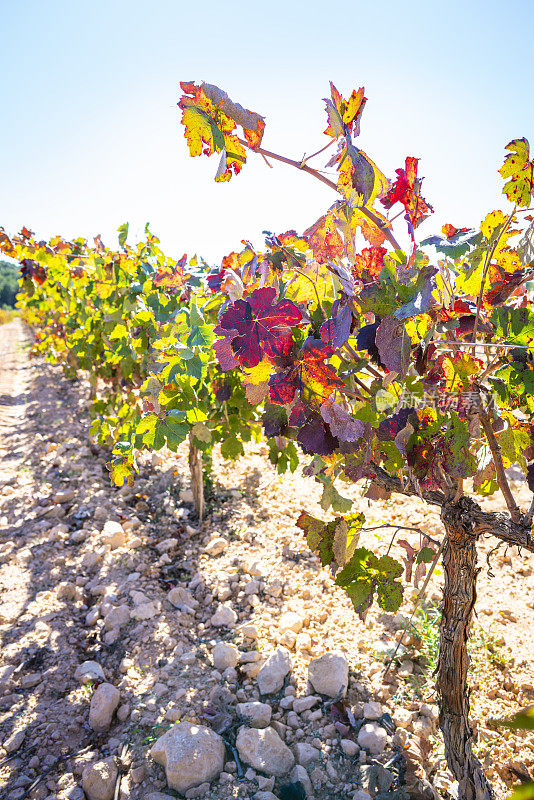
411	372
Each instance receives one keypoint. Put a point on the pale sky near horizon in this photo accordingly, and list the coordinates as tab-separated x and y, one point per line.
90	134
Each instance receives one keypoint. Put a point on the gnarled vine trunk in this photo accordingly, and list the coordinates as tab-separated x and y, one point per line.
197	478
459	595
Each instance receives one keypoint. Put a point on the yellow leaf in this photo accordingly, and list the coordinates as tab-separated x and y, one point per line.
258	374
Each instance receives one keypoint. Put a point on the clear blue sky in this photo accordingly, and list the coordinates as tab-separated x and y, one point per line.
90	133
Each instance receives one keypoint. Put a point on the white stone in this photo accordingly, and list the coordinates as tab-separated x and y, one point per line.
349	747
372	710
182	599
360	794
405	669
116	618
216	546
290	622
225	616
145	611
257	715
250	631
103	703
373	738
166	545
225	655
301	704
89	671
329	674
191	754
264	750
306	753
113	534
271	676
98	780
298	773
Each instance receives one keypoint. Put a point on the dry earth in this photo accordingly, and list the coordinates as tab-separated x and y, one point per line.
85	575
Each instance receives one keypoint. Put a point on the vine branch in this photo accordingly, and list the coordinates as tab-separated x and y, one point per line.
316	174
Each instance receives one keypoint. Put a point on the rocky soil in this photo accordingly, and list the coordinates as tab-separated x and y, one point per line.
144	656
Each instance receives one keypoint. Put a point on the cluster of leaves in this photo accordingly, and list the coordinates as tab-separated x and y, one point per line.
380	363
142	326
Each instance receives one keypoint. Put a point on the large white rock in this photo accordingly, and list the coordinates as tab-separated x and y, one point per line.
264	750
113	534
290	622
117	617
225	616
216	546
225	655
329	674
89	671
271	676
372	710
191	754
98	780
257	715
182	599
306	753
373	738
103	704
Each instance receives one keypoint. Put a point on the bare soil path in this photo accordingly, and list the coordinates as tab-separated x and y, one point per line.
85	575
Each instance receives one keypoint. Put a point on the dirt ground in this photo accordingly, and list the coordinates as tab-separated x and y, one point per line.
60	577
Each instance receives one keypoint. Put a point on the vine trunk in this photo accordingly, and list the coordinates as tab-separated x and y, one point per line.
197	478
459	595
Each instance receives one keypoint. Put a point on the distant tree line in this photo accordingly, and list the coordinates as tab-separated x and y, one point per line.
9	274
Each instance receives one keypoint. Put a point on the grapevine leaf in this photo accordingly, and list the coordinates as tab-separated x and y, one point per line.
520	170
407	190
393	344
344	115
341	423
324	239
260	327
425	556
123	233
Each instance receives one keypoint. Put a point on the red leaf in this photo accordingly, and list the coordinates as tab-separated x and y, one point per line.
324	239
449	230
257	327
407	190
310	373
169	278
369	263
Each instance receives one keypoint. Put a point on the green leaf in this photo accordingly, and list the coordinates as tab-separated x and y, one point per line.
515	325
332	498
389	595
425	556
361	594
232	448
123	233
201	432
202	336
